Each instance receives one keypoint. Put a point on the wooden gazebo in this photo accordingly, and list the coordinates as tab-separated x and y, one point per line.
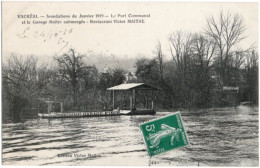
133	87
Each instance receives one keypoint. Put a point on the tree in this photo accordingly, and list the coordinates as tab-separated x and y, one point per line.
226	31
72	68
57	87
181	52
159	57
147	71
108	78
24	81
251	76
203	52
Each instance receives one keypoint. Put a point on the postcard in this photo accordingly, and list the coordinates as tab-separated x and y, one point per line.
79	80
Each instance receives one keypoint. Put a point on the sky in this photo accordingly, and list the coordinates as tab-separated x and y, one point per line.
130	40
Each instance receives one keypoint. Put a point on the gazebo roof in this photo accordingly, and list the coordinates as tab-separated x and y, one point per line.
127	86
230	88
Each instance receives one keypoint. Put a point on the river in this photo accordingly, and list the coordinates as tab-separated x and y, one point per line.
225	137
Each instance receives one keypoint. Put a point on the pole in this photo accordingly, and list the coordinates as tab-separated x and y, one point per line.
146	103
133	98
39	111
49	107
131	103
113	99
61	107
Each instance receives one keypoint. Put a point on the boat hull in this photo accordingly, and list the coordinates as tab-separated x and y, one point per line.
97	114
142	112
79	114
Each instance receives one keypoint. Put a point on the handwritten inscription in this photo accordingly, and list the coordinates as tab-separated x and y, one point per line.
59	36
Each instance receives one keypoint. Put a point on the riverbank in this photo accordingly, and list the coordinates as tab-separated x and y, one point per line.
254	108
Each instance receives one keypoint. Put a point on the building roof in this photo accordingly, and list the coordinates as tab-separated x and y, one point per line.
132	70
105	70
127	86
230	88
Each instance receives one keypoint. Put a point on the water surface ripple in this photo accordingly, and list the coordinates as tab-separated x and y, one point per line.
225	137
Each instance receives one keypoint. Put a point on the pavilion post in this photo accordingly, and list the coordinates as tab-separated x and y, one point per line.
133	98
131	103
49	107
146	102
61	107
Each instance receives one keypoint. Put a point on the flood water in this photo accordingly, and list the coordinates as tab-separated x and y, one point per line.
225	137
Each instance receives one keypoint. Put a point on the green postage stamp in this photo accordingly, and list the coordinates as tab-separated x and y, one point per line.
164	134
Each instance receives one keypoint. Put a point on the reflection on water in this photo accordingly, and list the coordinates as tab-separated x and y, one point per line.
227	137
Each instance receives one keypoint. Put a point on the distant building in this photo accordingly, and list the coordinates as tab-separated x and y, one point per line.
130	78
132	70
105	71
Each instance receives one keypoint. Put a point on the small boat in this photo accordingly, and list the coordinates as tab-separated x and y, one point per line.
79	114
96	113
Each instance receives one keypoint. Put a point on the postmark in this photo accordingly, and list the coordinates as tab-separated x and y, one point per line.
164	134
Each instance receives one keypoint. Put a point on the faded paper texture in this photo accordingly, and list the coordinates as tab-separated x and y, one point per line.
78	78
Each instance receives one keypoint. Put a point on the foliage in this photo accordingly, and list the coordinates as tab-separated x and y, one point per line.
23	81
201	64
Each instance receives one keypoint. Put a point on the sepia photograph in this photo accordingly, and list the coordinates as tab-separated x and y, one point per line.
129	84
